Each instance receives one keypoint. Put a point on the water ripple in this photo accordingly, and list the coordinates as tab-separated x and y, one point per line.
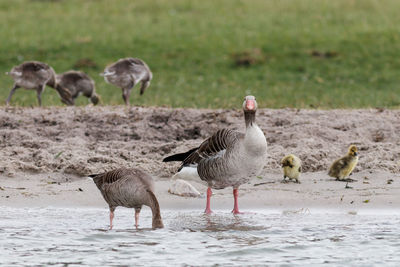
68	237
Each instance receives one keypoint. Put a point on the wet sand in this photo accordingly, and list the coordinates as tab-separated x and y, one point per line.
317	191
46	154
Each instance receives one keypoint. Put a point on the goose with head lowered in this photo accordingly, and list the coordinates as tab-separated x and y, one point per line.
35	75
229	158
130	188
78	82
126	73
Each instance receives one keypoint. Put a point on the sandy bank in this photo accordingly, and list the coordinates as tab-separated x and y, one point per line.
48	151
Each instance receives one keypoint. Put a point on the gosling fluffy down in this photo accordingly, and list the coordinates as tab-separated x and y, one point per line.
291	168
342	167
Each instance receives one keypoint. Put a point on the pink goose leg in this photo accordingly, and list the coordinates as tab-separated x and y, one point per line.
137	211
111	218
235	204
209	194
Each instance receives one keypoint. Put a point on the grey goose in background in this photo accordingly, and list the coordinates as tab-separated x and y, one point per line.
130	188
229	157
126	73
35	75
78	82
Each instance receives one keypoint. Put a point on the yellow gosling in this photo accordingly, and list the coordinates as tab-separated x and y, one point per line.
342	167
291	168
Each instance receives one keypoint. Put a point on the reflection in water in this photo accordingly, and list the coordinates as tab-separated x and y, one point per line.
216	222
80	236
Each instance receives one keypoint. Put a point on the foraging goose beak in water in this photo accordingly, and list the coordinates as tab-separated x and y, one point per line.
229	157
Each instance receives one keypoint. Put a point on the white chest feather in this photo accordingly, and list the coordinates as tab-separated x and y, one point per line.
252	155
255	143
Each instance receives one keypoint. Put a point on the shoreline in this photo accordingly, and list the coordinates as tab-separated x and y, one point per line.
317	191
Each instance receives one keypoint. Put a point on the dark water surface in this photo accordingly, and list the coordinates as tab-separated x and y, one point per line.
72	237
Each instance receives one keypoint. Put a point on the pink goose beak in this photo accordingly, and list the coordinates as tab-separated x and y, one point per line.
250	105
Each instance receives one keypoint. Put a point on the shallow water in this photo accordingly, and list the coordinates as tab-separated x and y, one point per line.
68	237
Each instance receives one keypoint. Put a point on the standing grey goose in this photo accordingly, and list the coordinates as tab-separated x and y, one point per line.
229	157
130	188
126	73
78	82
36	75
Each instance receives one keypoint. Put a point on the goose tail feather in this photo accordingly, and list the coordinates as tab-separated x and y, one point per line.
107	73
179	156
92	177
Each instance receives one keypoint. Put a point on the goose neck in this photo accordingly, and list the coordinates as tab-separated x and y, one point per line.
157	220
155	209
249	118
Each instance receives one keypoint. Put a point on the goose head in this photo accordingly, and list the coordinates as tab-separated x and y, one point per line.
95	99
250	104
352	151
249	109
288	161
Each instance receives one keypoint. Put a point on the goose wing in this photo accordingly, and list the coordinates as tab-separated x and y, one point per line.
111	177
337	166
127	66
135	61
34	66
33	70
108	177
138	69
214	146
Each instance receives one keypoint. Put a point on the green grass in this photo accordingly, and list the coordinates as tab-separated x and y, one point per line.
189	46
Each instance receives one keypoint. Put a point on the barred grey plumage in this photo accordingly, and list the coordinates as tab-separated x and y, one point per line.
78	82
229	158
130	188
36	75
126	73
